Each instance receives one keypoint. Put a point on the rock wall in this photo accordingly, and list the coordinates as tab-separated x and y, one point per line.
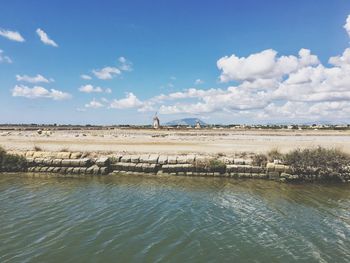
76	164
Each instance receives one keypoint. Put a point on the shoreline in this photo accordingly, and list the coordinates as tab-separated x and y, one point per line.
78	164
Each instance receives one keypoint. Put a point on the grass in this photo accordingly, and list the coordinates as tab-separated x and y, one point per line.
210	165
327	163
11	163
319	163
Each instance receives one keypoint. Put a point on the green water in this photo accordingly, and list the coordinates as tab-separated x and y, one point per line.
171	219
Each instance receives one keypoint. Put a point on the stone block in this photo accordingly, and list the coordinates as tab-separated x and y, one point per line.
172	159
165	168
115	158
256	169
90	170
96	170
63	170
238	161
144	158
138	167
69	170
50	169
135	158
163	159
145	167
56	169
248	161
270	167
63	155
102	161
39	161
181	159
75	155
56	162
74	162
273	175
153	158
82	170
279	168
30	160
44	169
76	170
84	162
47	161
125	158
65	162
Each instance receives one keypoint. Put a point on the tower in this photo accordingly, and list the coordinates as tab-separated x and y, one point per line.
156	123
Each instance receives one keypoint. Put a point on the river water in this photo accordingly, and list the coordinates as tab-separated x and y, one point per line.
171	219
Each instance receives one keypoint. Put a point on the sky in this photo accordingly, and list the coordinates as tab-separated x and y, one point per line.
120	62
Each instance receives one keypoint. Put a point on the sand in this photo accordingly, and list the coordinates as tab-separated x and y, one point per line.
206	141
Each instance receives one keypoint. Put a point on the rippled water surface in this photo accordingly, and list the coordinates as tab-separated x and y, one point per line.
171	219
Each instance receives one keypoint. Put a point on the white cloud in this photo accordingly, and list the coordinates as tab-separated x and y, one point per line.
106	72
12	35
263	65
86	77
347	25
130	101
125	65
90	89
198	82
108	90
94	104
39	92
3	58
268	88
36	79
45	38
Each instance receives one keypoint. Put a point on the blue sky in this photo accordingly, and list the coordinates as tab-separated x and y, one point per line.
164	56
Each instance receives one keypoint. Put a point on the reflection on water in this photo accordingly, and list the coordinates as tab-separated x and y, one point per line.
171	219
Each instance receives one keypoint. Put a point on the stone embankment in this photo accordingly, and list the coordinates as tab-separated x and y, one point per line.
75	164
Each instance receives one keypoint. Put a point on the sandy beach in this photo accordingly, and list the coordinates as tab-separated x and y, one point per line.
206	141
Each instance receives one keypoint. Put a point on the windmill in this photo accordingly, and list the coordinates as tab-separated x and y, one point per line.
156	123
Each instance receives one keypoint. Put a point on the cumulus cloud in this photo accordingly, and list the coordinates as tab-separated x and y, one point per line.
267	87
106	72
35	79
263	65
86	77
39	92
90	89
12	35
347	25
130	101
3	58
45	38
94	104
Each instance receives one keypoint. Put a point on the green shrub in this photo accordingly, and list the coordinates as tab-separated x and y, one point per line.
259	159
318	161
11	163
274	154
210	165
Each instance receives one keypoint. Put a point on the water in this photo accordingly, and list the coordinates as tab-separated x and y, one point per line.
171	219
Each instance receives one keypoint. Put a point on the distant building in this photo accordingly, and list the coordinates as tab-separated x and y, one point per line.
198	125
156	123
